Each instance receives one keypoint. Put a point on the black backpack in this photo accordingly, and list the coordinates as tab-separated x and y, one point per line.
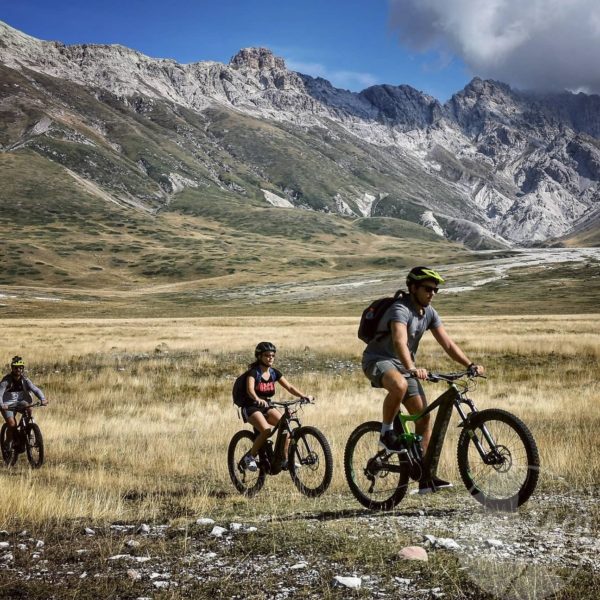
369	320
238	392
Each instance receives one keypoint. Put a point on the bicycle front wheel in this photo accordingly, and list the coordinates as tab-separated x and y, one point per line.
377	478
9	456
247	482
310	461
503	471
34	445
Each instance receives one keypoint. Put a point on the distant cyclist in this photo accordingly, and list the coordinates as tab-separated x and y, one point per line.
15	389
389	359
260	389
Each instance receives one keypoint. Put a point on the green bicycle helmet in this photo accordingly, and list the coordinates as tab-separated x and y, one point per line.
17	361
421	274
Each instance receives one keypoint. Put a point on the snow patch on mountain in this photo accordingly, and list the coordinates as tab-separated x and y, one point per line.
428	220
276	200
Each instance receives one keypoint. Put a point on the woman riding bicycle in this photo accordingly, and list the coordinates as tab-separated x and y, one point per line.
260	388
15	388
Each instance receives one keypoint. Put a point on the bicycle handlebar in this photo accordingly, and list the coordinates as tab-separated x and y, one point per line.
449	377
284	403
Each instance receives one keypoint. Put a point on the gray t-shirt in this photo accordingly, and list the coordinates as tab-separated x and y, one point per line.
404	311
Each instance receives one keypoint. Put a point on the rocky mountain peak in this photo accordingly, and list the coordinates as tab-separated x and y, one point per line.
257	58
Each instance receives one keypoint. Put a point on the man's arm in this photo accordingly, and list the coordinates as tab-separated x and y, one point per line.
452	349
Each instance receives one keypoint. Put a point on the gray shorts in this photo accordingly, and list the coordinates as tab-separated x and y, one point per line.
375	370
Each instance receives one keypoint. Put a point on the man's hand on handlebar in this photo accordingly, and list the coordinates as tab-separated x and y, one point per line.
419	373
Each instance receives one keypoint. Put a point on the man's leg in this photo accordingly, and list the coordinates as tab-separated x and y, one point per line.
415	405
395	384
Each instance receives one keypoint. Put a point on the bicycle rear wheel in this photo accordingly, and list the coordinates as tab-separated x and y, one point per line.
378	479
9	456
34	445
310	461
248	483
507	473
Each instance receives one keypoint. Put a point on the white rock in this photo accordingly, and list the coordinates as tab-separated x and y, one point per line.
119	556
89	531
132	543
22	546
300	565
134	575
160	585
83	575
7	557
205	521
251	529
4	544
141	559
40	544
494	543
143	528
218	531
235	526
402	580
352	583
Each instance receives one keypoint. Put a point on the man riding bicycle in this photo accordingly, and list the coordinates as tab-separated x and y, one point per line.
15	389
389	359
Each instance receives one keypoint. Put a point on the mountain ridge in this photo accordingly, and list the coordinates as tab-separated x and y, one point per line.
519	167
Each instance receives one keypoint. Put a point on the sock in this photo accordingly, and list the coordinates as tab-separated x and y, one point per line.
386	427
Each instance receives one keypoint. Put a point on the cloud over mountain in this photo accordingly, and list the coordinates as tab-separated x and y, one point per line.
540	44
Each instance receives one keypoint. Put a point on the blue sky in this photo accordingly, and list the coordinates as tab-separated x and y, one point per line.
349	42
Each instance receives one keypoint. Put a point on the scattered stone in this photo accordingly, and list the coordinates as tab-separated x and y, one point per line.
83	575
218	531
8	557
446	543
300	565
119	556
134	575
251	529
89	531
235	526
132	543
352	583
22	546
143	528
4	544
494	543
205	521
413	553
160	585
402	580
40	544
24	533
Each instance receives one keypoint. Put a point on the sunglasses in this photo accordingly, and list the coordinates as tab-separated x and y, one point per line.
430	289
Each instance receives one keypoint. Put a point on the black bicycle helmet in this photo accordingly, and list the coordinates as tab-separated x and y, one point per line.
421	274
264	347
17	361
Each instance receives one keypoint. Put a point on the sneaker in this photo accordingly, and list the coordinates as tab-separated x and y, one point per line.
389	441
249	462
433	485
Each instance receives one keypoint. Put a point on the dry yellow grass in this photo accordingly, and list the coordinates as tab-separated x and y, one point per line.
140	410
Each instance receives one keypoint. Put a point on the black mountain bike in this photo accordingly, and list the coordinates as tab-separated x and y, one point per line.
27	438
497	456
309	460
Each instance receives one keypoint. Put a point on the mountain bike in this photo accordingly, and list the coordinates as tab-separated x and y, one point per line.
309	460
26	438
498	460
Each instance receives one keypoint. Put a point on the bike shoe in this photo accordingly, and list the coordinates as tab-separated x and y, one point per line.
249	462
432	485
391	442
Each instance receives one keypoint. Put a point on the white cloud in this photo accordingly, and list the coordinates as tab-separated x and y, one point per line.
542	44
343	79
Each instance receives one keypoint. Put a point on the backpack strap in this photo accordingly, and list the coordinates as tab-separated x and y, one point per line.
399	295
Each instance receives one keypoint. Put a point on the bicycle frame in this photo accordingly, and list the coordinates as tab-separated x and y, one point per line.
451	399
276	457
